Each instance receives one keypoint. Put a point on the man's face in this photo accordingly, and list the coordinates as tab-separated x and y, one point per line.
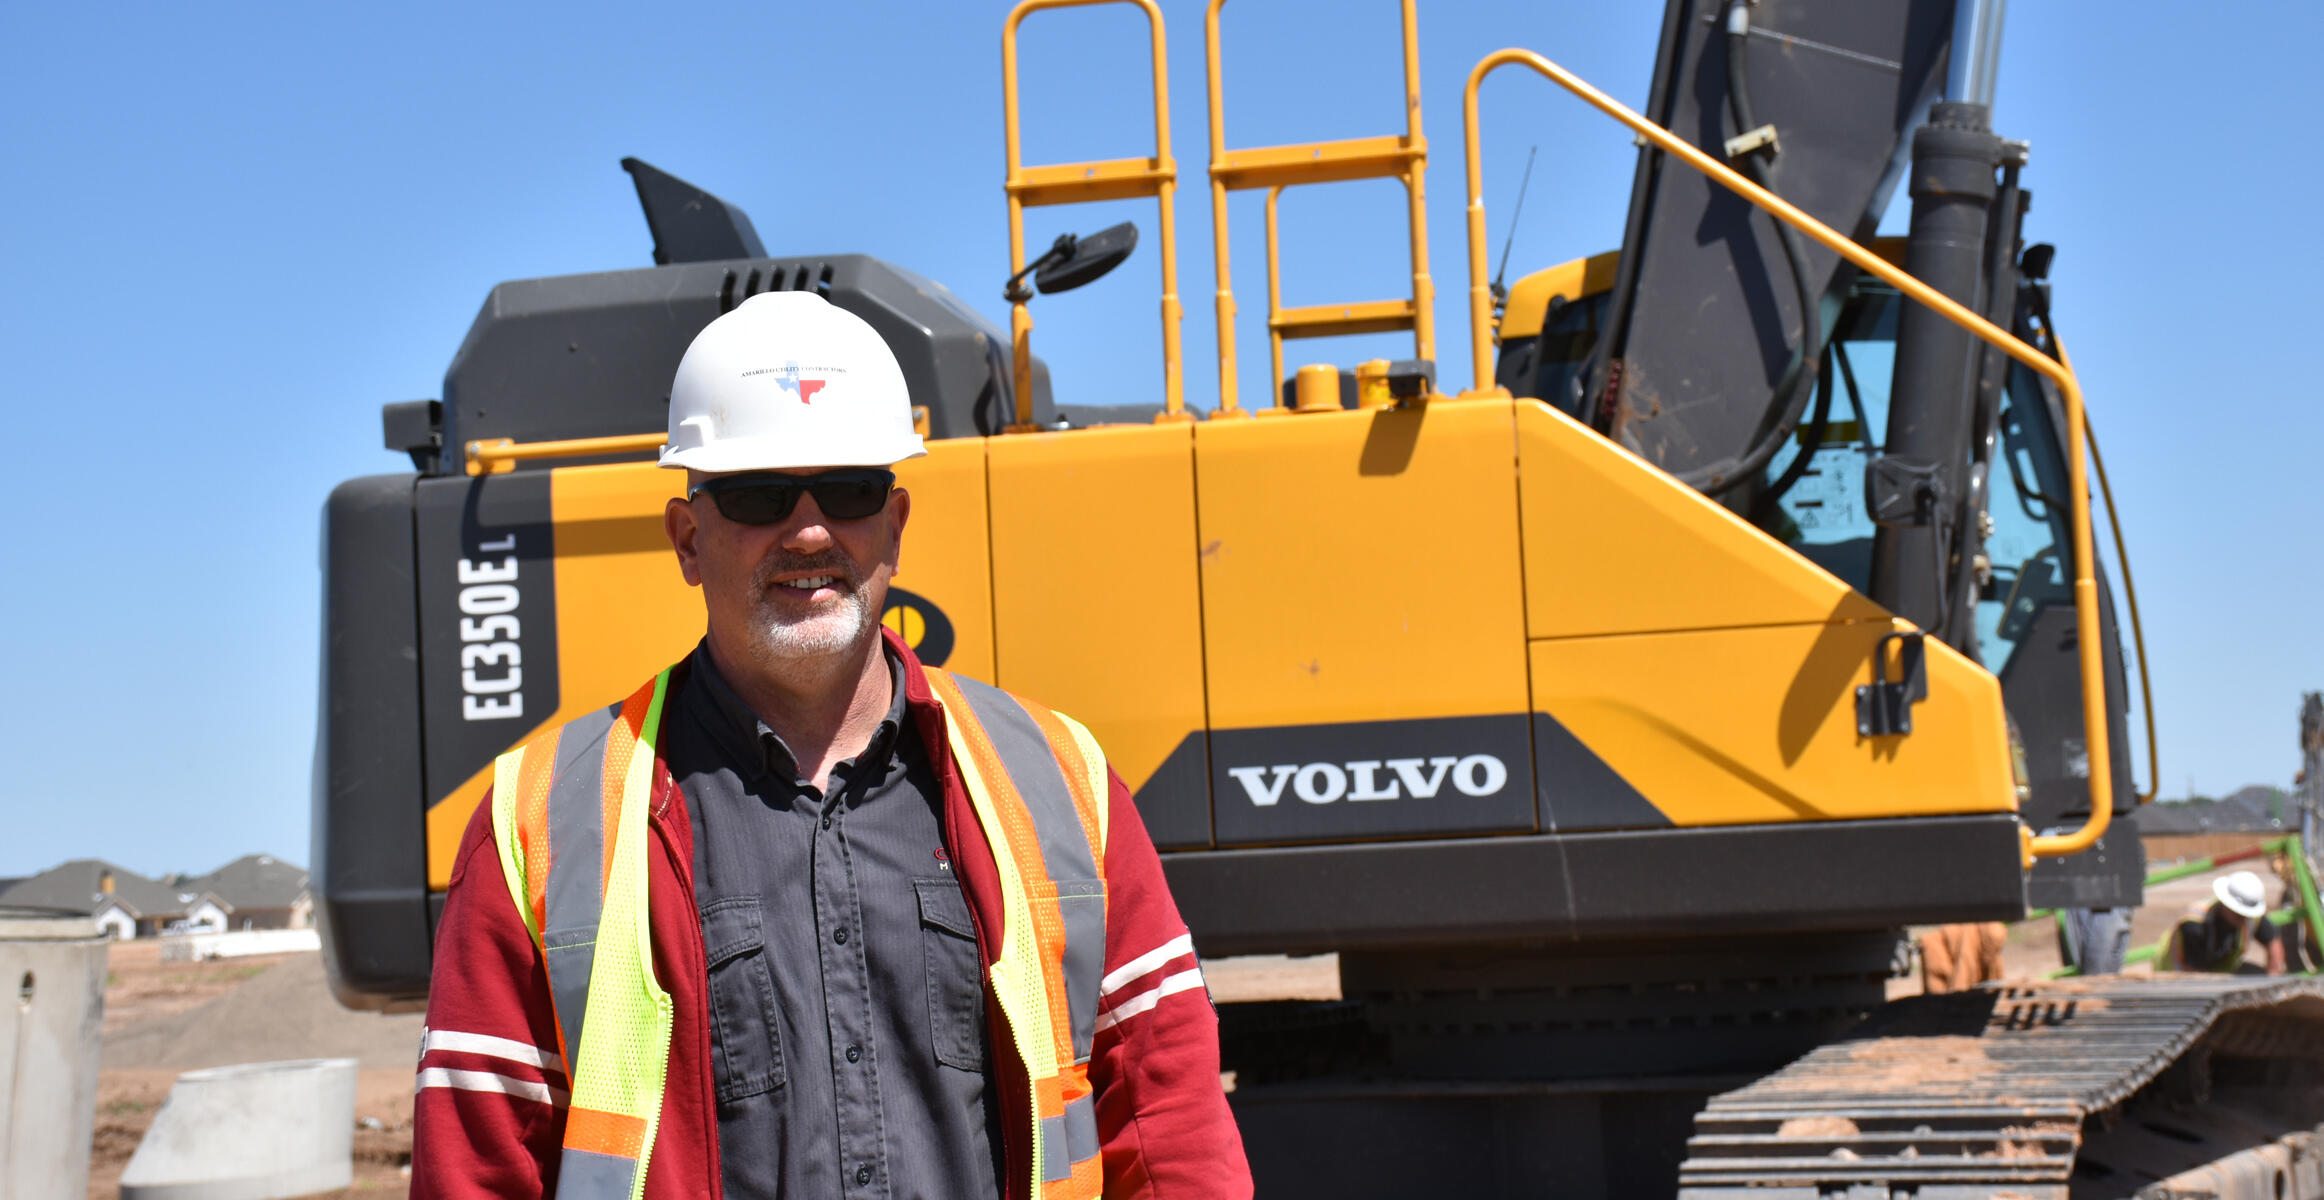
805	587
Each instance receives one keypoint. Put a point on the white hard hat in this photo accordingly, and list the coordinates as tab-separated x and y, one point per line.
788	380
2241	893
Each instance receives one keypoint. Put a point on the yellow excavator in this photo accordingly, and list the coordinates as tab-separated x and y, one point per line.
1608	716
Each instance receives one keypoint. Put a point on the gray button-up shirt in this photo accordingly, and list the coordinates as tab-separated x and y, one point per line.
846	1005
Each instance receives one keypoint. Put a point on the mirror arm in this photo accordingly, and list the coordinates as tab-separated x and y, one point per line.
1016	291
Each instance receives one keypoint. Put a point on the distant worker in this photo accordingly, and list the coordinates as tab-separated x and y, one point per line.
2216	939
1955	958
841	925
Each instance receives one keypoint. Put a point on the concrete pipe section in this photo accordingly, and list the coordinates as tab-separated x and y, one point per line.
250	1132
52	1017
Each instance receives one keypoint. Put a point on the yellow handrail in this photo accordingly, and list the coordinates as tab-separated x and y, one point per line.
1403	158
1073	183
2094	728
488	457
2146	691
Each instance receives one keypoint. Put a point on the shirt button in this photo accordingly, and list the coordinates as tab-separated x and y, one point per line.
827	822
862	1175
854	1053
840	937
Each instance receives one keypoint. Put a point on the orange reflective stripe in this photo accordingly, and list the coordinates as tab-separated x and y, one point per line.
546	816
1067	748
1049	1096
620	747
532	822
1024	843
1047	974
602	1132
1024	847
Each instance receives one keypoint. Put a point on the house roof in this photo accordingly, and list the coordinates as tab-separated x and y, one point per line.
253	881
79	886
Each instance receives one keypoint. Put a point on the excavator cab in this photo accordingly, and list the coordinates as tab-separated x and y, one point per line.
2018	618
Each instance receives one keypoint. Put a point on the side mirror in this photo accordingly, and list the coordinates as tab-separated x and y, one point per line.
1073	261
2036	260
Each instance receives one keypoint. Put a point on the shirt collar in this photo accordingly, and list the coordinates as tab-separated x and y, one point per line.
749	739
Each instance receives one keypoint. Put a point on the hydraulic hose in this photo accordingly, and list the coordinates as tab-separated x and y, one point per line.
1819	422
1791	392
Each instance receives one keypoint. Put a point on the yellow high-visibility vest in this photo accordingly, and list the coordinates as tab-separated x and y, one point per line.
569	815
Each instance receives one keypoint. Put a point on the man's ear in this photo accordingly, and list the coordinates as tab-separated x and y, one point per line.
679	525
900	511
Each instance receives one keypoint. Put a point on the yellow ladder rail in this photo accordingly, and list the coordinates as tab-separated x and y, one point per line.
1274	168
1318	320
1081	183
2094	724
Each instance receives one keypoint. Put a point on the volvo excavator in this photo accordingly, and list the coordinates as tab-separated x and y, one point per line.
1777	627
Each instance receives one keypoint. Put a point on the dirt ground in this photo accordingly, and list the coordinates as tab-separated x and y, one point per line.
164	1018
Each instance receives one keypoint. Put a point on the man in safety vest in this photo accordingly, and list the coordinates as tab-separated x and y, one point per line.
2215	937
802	917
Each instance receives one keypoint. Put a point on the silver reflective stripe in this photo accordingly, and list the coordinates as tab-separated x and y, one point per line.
587	1175
1065	849
1056	1159
1068	1139
1082	904
575	895
1081	1129
570	954
1033	768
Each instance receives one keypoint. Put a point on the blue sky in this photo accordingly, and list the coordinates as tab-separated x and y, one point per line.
234	231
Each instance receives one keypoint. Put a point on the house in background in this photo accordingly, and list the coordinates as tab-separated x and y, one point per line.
124	902
116	921
2201	827
256	891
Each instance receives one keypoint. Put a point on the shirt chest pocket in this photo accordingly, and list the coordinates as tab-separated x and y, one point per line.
955	980
742	1000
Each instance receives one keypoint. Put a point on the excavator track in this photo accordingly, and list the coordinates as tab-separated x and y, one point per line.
2177	1086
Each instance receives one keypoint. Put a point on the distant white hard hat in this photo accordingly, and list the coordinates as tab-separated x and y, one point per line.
2241	893
788	380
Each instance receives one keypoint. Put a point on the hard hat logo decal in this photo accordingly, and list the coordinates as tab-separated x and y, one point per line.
808	388
921	624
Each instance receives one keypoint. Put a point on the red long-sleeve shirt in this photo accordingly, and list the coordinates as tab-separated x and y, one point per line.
491	1090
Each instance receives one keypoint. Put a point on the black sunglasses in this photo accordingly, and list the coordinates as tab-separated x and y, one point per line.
844	495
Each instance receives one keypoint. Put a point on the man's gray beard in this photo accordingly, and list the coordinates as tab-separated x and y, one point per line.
823	635
831	632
